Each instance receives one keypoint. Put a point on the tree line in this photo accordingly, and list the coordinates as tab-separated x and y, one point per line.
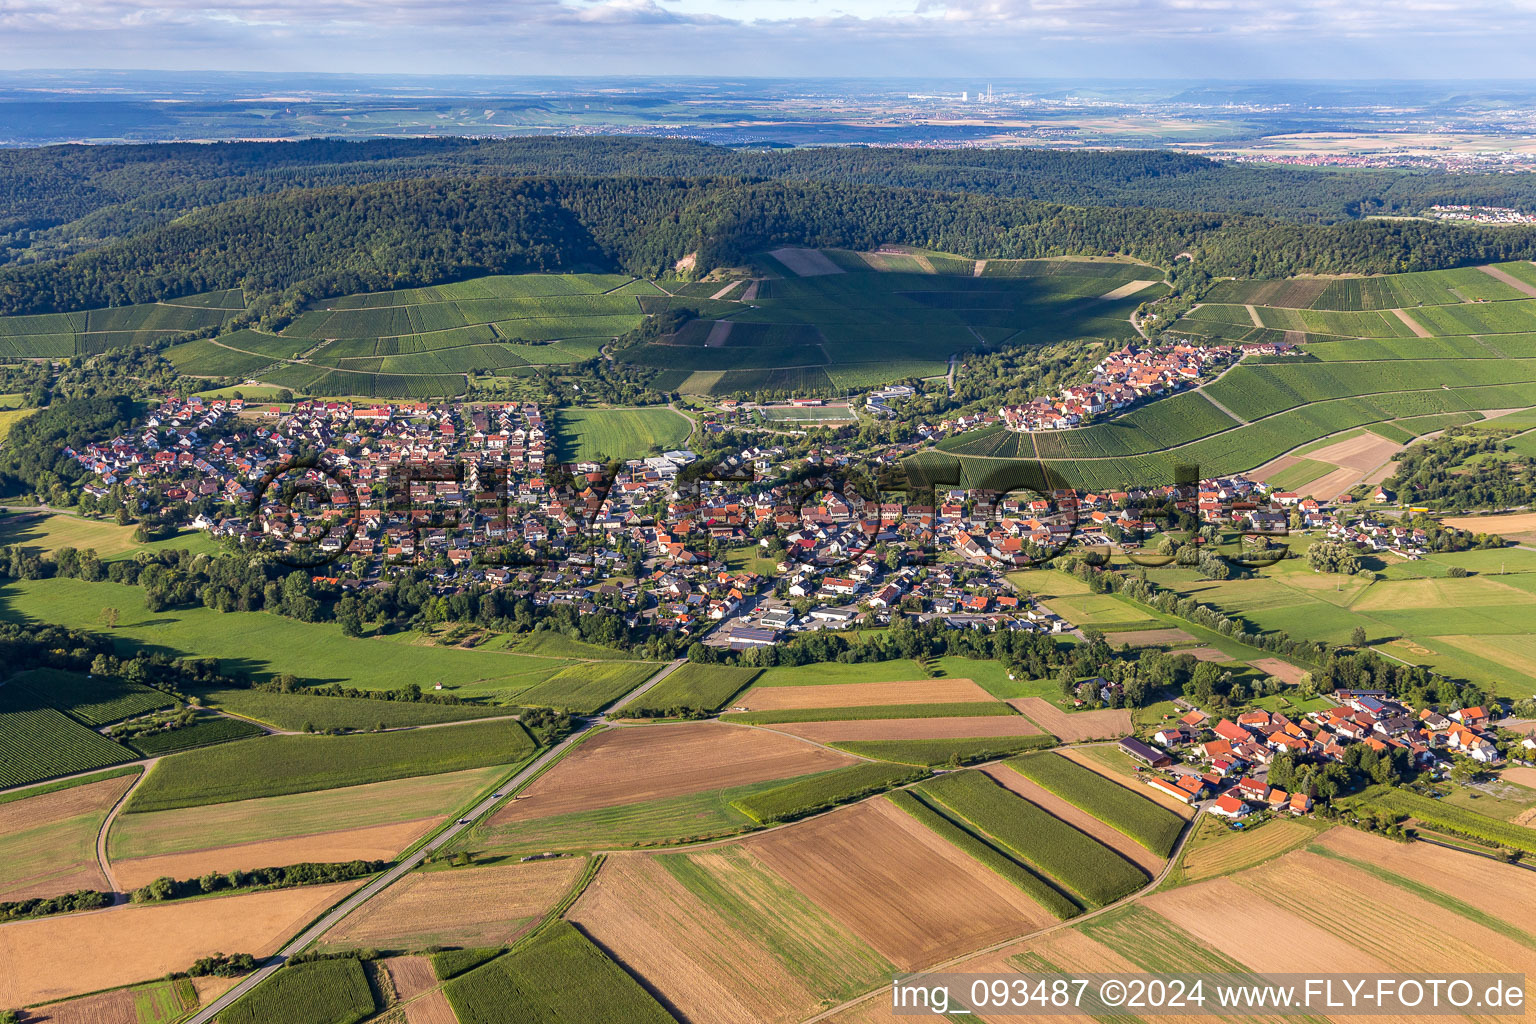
296	246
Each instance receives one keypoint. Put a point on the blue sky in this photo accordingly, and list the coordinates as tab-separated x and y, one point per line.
1013	38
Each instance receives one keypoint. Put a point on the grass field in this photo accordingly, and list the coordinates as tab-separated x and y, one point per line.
604	434
279	765
1091	870
322	992
701	687
41	533
263	645
559	977
48	841
934	753
293	711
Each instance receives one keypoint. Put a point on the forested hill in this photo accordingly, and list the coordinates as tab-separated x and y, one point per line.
61	199
312	243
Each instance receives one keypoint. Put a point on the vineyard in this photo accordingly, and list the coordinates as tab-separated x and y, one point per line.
60	335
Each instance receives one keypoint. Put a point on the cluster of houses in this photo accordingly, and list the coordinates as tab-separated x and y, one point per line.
1231	750
1120	380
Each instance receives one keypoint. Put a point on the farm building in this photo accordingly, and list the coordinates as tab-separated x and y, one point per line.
1145	752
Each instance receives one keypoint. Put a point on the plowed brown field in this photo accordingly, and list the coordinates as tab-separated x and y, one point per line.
382	842
1079	725
850	695
466	907
632	764
1281	670
1149	637
74	953
897	885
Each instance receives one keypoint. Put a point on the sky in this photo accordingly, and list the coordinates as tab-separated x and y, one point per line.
1247	39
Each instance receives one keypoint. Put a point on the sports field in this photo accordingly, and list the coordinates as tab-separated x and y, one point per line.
602	435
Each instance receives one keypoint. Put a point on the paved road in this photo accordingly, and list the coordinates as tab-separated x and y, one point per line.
409	864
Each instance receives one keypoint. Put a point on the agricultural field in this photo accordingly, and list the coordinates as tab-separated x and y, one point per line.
1075	726
911	692
464	907
92	700
637	764
1216	849
601	435
560	977
48	842
819	792
318	817
282	765
38	741
1095	874
1406	354
587	687
265	645
158	1002
44	533
322	992
723	937
868	319
291	712
1135	816
73	954
848	861
61	335
899	726
945	751
704	687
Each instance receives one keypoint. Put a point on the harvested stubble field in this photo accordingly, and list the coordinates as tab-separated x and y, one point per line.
849	861
640	763
430	1008
411	975
1230	851
913	728
48	842
847	695
159	1002
1110	723
75	953
307	815
1281	670
485	906
1079	819
379	842
722	937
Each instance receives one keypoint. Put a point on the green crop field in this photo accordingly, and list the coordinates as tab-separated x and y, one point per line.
587	687
69	334
293	711
602	434
1090	869
994	857
828	789
700	687
264	645
205	731
1438	814
935	753
93	701
38	741
278	765
321	992
1150	824
558	977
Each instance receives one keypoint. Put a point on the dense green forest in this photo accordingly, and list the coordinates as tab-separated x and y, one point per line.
64	198
311	243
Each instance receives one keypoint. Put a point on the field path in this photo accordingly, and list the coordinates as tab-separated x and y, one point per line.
723	292
1510	279
719	334
1253	315
1412	324
102	860
981	265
